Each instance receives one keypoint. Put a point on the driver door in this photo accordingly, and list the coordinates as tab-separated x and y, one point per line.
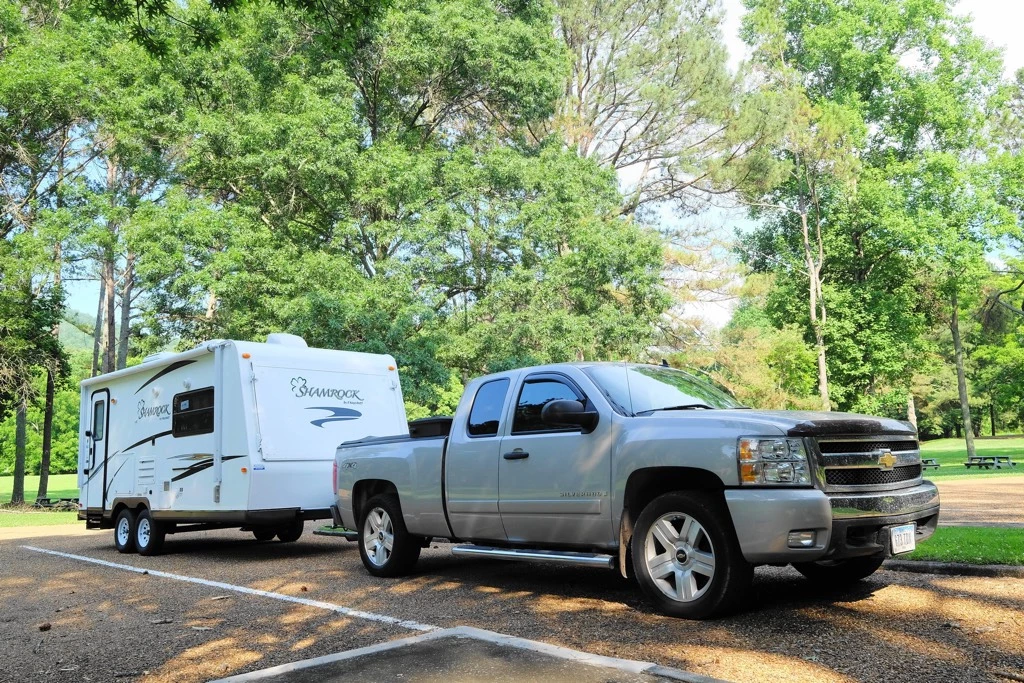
554	482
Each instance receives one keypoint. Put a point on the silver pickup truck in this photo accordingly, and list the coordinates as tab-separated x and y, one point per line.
643	469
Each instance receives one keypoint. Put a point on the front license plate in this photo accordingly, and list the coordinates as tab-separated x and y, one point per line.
901	538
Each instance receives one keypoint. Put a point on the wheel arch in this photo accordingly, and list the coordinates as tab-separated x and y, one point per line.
365	489
646	484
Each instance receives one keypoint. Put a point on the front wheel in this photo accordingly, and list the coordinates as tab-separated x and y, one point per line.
686	556
124	531
840	572
385	546
149	534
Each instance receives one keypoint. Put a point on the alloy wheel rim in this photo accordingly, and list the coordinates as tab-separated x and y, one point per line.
679	557
378	537
123	531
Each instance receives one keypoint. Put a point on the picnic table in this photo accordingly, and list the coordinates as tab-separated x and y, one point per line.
930	463
989	461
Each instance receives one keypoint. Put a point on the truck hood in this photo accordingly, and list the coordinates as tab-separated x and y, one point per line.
819	423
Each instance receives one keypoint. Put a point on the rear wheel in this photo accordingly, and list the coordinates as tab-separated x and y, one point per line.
289	533
840	572
264	533
686	556
385	546
124	531
149	534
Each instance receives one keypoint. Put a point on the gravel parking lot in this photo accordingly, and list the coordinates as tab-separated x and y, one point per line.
110	624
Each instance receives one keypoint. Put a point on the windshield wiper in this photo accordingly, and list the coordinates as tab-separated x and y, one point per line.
685	406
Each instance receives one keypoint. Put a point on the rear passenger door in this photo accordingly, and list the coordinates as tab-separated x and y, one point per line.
554	481
471	464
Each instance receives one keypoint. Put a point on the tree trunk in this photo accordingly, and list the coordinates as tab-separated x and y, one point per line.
97	332
110	328
817	311
21	416
961	377
992	417
126	311
44	463
911	410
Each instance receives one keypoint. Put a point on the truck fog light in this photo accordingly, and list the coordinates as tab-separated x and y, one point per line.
801	539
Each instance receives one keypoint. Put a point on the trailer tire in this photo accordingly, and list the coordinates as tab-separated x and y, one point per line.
149	534
291	532
382	522
124	531
264	533
686	556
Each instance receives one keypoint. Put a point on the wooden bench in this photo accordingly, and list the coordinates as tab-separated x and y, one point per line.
930	463
989	461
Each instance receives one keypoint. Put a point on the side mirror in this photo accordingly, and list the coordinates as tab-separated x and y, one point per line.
569	413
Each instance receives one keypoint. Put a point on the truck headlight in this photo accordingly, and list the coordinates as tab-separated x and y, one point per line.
773	461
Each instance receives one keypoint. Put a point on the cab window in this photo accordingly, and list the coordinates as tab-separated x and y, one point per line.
535	394
485	417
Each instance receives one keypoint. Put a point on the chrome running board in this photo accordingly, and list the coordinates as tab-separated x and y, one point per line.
546	556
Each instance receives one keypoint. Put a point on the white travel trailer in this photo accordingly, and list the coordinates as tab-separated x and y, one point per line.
229	434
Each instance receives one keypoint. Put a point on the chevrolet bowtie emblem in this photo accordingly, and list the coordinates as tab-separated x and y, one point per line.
886	460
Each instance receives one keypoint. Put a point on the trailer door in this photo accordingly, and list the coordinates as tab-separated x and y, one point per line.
95	470
305	414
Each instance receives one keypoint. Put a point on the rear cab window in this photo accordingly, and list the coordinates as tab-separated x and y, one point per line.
485	417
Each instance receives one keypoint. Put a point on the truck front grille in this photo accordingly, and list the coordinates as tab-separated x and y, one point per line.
867	463
871	477
827	447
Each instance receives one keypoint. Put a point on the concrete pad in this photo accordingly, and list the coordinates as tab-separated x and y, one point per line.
464	654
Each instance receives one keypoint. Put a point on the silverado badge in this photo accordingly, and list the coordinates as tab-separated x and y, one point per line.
886	461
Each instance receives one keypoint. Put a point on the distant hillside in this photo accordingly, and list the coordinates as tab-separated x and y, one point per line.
73	338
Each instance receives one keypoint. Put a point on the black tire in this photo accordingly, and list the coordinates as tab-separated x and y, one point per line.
838	573
373	531
149	534
124	531
264	533
702	566
291	532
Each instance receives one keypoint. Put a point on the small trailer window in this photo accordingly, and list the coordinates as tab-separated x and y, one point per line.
99	420
193	413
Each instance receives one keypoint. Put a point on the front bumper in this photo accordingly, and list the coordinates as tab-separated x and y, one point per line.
845	525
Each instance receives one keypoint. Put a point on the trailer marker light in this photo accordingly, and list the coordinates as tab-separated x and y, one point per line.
244	470
391	367
246	355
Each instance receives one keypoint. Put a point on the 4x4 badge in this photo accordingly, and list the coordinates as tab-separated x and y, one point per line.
886	460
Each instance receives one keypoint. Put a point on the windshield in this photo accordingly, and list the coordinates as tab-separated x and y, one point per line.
643	388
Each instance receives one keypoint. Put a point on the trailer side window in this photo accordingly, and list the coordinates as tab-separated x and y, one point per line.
192	413
99	420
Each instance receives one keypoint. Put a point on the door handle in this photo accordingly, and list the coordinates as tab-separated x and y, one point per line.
516	455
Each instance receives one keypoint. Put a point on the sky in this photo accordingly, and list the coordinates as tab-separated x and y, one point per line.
998	21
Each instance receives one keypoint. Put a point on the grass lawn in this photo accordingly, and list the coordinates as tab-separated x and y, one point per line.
972	545
30	517
952	453
59	486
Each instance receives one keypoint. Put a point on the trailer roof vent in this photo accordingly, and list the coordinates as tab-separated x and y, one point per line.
158	356
285	339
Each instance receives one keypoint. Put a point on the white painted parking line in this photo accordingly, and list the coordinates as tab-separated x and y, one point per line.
329	606
586	658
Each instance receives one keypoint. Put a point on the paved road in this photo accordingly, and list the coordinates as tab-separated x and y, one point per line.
895	626
996	501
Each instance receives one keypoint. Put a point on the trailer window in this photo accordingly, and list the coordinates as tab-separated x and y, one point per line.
99	420
192	413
